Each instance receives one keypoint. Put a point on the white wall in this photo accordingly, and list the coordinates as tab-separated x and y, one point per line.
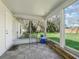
2	29
14	29
8	28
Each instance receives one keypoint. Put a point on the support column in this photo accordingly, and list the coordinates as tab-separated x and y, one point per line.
45	30
30	30
62	29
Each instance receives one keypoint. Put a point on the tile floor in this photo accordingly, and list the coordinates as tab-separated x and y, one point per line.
32	51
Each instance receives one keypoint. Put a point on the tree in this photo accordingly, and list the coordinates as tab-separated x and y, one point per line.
52	27
33	28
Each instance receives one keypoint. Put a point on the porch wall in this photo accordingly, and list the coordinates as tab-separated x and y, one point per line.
8	28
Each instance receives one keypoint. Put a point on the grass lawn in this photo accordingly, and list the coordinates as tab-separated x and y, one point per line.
72	39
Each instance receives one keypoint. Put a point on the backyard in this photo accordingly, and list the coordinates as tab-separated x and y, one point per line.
72	39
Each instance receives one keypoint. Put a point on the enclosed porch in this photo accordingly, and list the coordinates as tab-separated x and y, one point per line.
23	22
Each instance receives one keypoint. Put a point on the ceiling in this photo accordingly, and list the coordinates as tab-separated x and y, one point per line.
32	7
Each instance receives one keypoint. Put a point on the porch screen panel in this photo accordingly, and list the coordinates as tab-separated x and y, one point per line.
53	28
72	25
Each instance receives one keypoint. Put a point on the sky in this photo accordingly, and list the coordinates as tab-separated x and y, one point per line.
72	14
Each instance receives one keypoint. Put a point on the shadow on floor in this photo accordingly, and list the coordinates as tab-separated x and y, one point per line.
13	48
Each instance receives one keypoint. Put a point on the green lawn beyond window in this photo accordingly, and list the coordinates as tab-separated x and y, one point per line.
72	39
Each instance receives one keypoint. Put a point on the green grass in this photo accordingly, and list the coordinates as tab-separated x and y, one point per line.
53	36
72	39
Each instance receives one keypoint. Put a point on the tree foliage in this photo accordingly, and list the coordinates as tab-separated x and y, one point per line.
33	28
52	27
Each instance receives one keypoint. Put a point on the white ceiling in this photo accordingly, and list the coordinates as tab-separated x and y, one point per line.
32	7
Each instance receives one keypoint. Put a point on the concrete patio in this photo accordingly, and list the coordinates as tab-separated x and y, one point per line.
32	51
